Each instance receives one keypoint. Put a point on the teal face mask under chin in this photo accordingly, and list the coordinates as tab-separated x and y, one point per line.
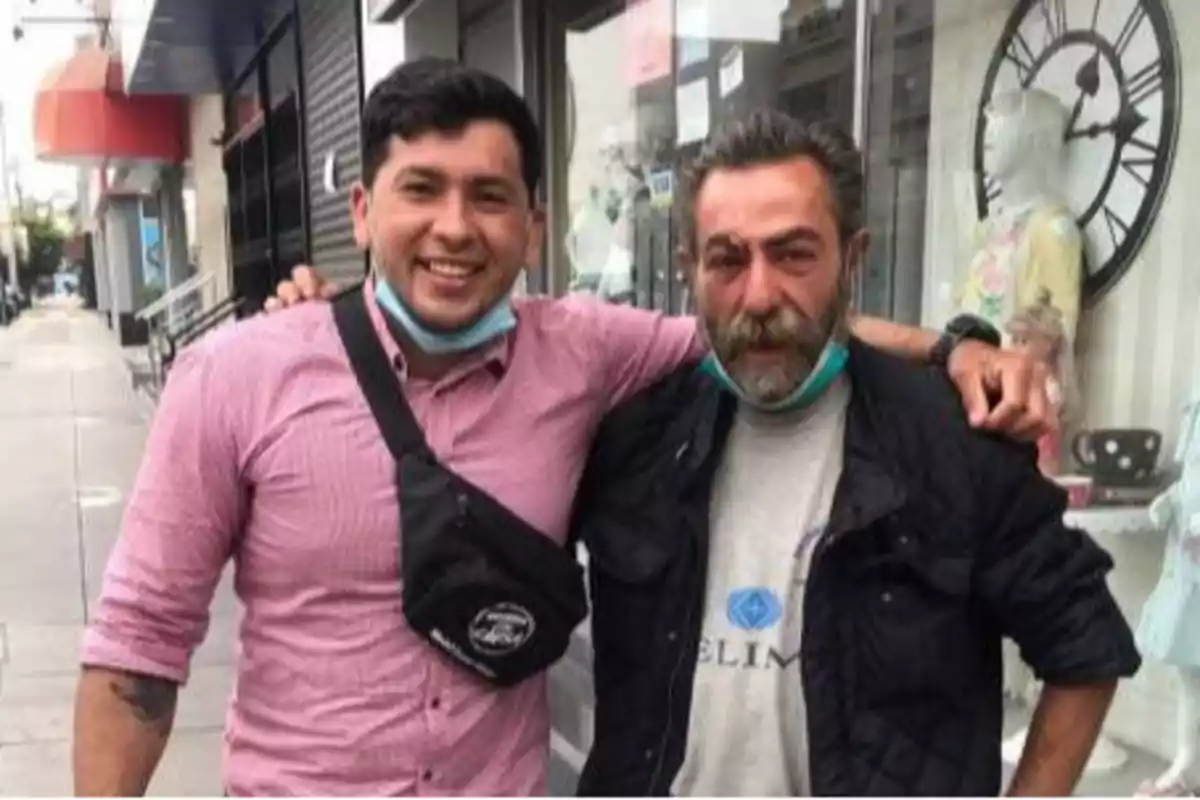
498	321
830	364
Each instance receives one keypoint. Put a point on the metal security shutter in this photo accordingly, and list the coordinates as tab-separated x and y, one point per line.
332	105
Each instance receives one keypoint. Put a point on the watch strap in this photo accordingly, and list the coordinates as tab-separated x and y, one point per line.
964	326
939	356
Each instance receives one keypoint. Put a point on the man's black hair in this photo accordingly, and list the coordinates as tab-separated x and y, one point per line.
434	94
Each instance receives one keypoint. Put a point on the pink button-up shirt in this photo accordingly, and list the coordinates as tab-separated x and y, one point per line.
263	449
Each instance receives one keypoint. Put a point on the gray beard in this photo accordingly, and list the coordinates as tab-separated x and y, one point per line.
778	382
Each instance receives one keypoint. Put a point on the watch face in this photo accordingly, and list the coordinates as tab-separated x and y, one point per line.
1114	67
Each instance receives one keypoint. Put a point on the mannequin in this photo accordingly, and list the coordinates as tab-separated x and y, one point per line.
590	235
617	271
598	233
1030	248
1169	632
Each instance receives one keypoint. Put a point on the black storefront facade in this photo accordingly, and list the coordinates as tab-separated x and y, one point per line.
291	149
288	73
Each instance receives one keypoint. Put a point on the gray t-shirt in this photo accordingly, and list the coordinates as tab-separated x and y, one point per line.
747	732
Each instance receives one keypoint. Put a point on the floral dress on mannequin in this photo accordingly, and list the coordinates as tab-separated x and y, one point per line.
1023	255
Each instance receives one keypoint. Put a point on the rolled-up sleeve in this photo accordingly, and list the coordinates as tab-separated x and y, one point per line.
180	521
1044	583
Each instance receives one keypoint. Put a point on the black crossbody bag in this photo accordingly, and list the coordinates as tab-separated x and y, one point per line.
477	582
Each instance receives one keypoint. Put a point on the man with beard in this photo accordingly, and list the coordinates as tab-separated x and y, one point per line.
803	559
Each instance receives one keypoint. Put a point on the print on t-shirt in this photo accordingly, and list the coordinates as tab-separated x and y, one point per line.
752	639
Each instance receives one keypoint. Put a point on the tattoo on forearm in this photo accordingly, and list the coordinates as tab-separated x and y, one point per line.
151	699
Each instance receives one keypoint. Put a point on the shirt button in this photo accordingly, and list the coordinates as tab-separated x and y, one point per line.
672	636
886	597
903	541
427	775
435	703
649	754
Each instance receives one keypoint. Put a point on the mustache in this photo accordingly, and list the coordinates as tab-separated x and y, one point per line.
781	328
785	326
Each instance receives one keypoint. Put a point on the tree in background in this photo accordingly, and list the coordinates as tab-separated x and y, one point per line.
44	255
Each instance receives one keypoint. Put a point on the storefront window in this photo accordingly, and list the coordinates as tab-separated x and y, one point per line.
1023	165
647	81
620	142
896	107
1045	192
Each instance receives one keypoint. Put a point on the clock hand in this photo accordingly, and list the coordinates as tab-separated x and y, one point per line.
1127	123
1088	76
1123	126
1075	112
1087	79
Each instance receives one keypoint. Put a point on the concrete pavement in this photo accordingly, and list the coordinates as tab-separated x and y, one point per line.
71	438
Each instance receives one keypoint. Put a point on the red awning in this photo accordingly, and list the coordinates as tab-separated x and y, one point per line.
81	115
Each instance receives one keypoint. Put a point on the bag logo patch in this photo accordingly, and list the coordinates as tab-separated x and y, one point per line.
501	629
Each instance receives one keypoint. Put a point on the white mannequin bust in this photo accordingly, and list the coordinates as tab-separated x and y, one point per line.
1024	148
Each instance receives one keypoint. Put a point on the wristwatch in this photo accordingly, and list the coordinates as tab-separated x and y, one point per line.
964	326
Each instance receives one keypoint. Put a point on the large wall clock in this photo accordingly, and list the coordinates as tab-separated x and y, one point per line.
1115	65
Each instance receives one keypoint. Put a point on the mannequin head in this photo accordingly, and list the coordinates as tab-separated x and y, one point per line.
1024	137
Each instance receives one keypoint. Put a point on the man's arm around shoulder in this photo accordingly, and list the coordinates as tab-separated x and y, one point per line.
176	536
1002	390
1044	585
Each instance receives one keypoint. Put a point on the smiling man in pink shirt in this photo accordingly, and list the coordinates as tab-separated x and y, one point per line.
264	450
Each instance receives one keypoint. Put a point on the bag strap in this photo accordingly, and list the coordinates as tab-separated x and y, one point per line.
377	376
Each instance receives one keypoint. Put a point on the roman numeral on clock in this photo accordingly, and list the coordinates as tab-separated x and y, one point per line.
1021	55
1139	165
1055	12
1132	23
1139	169
1146	82
1117	229
991	189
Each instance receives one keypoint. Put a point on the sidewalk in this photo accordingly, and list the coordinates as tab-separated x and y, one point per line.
71	437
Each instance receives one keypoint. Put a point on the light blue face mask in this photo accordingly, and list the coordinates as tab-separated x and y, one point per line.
498	321
830	364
